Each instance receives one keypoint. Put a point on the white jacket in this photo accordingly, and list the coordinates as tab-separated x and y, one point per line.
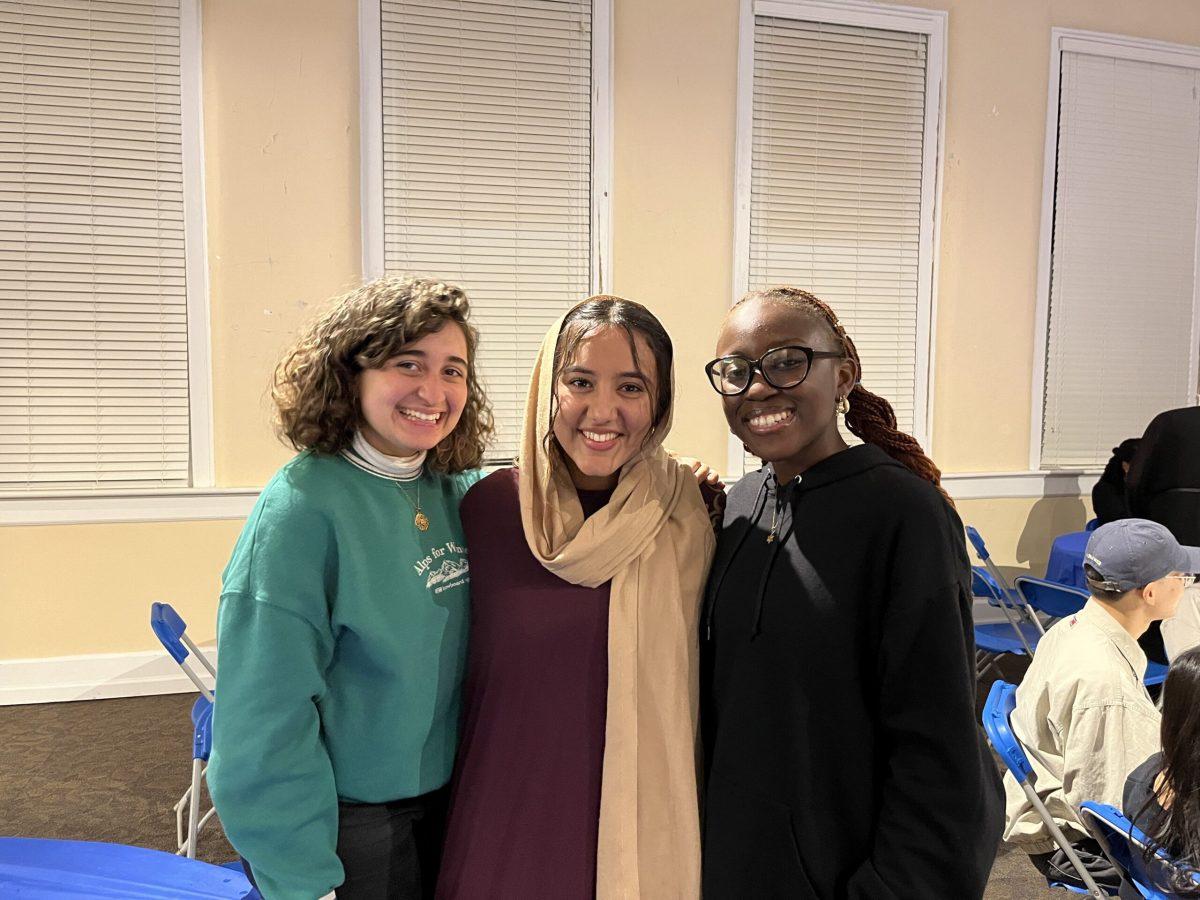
1085	720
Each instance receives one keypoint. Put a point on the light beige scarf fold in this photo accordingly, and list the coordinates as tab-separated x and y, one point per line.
653	541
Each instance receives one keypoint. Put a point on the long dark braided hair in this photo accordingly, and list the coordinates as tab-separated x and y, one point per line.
870	417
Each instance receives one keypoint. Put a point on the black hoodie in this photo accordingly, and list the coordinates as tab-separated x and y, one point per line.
844	758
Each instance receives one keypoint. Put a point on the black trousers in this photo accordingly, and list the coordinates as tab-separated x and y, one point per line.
390	851
1056	866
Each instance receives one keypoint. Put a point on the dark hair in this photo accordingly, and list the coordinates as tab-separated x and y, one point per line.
1114	473
604	310
1095	583
870	417
316	384
1175	825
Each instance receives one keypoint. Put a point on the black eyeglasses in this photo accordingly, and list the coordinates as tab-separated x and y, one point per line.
780	367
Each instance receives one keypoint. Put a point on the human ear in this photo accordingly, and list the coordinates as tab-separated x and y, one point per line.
847	376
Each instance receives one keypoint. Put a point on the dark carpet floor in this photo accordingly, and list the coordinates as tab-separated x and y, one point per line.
110	770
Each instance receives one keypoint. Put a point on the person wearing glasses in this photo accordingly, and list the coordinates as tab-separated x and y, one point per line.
843	756
1082	710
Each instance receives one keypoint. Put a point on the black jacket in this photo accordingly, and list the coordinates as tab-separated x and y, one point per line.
1164	477
844	758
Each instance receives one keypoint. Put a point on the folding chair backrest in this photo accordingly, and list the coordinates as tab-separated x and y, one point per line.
993	571
1124	844
983	586
1054	599
170	629
997	711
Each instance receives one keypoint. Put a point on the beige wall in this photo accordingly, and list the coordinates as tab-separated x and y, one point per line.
281	156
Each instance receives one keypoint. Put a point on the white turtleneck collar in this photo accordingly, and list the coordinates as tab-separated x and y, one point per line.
399	468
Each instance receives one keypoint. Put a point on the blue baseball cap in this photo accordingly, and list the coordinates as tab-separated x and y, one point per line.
1131	553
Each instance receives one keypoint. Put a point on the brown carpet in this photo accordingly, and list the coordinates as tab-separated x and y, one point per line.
110	770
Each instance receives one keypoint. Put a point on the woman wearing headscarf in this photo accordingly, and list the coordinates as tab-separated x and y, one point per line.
576	774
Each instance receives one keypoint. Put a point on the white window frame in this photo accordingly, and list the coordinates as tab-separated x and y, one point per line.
933	24
200	500
371	122
1118	47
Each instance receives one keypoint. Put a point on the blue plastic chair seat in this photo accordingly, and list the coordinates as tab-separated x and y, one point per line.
38	869
999	637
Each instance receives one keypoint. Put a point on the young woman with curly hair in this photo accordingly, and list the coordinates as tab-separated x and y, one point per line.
343	613
1162	795
844	758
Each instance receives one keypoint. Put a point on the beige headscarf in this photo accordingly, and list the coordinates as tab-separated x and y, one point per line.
653	541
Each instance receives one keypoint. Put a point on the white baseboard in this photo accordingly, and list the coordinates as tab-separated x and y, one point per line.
99	676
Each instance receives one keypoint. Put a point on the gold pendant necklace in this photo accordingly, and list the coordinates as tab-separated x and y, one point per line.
419	518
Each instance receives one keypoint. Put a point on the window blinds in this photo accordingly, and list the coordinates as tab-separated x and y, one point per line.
836	183
487	169
93	325
1122	282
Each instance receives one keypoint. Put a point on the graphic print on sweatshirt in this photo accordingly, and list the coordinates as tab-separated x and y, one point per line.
445	567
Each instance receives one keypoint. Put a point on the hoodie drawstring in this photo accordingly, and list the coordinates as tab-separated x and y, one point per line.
756	630
711	600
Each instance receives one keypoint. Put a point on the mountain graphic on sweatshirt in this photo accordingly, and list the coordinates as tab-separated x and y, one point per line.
448	571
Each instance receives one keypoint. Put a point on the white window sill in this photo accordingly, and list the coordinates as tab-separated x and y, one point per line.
207	504
162	505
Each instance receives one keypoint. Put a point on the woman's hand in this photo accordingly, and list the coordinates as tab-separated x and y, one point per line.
705	474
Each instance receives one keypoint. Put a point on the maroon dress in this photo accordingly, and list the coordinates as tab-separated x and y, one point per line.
525	801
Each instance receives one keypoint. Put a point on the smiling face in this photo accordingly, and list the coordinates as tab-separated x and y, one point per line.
605	406
416	398
792	428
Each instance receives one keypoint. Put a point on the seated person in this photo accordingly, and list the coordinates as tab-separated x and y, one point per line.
1082	713
1162	796
1109	502
1181	632
1163	485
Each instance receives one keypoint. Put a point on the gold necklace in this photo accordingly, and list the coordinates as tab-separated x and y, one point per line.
419	518
775	510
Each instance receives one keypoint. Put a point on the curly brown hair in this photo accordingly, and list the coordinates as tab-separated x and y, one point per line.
315	387
870	417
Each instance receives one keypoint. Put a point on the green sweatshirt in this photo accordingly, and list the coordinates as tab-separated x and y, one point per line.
341	636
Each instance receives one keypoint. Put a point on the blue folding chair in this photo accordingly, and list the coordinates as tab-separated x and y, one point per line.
995	639
1125	846
997	716
991	583
1059	601
170	629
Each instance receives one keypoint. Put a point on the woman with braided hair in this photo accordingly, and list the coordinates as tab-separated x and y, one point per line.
843	757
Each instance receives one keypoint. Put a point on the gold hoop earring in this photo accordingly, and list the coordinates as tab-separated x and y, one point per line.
842	405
